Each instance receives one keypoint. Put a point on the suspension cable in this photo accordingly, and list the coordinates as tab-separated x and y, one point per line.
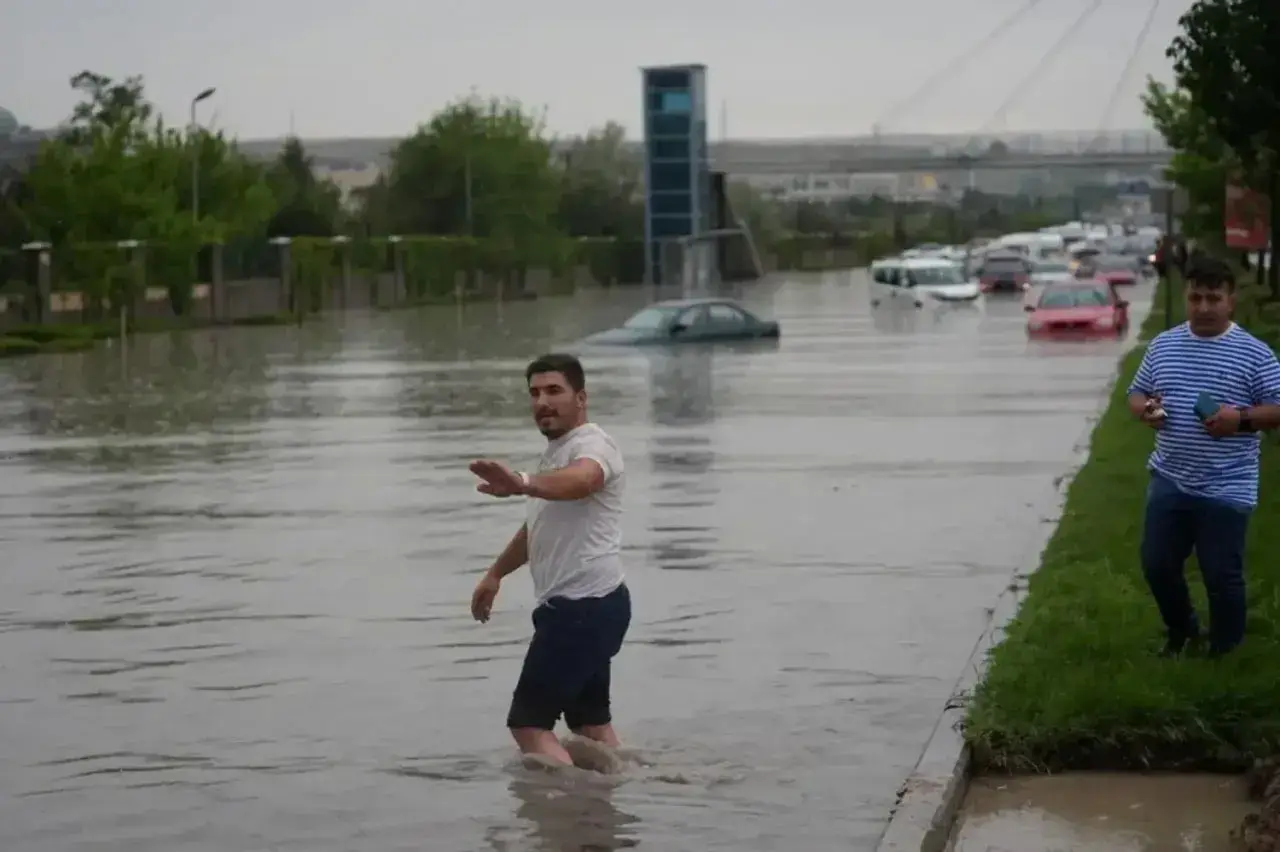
1123	81
1030	79
951	68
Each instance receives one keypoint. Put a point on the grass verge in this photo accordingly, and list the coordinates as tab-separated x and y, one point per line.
77	337
1075	683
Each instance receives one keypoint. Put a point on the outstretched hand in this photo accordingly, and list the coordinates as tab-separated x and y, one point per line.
497	480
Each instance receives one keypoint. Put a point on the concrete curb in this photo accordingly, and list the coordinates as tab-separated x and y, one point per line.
934	792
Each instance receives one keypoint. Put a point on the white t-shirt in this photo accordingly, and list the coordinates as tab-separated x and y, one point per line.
575	545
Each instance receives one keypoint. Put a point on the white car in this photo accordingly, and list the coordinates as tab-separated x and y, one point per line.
1050	271
921	281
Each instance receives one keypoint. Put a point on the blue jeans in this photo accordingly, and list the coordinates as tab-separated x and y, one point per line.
1175	524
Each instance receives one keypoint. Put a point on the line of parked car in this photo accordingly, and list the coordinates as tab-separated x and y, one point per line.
1068	275
1073	269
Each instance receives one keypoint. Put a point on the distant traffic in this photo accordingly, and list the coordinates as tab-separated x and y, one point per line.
1068	275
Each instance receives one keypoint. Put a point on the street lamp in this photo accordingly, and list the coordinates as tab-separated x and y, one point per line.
195	155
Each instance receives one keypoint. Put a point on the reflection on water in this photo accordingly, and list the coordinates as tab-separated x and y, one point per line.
237	564
574	814
682	460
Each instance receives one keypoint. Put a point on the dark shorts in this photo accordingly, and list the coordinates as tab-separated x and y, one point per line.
566	669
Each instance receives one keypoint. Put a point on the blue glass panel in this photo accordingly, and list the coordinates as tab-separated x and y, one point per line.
669	125
670	177
669	149
677	102
670	226
670	204
668	79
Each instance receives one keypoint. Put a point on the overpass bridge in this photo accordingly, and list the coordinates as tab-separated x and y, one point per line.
762	164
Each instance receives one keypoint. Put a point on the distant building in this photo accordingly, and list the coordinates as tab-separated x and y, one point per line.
348	177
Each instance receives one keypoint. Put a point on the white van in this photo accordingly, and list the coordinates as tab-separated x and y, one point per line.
921	281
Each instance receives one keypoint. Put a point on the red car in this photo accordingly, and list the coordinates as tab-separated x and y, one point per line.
1079	308
1118	269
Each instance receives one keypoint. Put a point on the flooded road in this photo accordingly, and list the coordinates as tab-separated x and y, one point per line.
233	611
1103	812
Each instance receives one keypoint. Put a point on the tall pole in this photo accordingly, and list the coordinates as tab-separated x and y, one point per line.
1168	256
470	209
195	156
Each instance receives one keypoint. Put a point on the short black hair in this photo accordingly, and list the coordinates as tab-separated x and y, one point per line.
558	362
1209	273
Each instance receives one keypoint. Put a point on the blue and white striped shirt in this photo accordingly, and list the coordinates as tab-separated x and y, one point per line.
1236	369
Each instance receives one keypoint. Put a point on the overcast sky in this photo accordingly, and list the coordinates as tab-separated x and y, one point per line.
380	67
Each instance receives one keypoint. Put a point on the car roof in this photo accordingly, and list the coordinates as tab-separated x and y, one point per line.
928	263
693	303
1078	283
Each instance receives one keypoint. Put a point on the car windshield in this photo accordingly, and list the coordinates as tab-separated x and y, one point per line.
1075	297
926	276
650	318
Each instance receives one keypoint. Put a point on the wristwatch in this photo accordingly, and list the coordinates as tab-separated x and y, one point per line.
1246	422
524	480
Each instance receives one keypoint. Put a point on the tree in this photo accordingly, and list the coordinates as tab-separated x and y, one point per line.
306	205
117	173
1226	61
601	194
480	168
1201	160
106	103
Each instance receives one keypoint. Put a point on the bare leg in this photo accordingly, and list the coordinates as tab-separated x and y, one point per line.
604	734
542	743
594	747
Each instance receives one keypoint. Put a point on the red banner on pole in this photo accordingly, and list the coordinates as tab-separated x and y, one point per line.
1247	216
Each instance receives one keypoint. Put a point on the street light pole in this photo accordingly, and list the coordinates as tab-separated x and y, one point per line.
195	155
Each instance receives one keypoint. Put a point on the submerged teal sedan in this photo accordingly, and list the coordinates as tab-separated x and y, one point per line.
688	321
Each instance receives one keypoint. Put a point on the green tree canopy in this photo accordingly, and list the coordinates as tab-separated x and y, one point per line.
307	206
478	167
602	192
1201	160
1225	60
117	173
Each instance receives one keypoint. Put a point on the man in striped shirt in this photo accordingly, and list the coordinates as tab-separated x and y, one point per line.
1209	388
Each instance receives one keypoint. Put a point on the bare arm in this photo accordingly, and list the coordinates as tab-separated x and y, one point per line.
515	554
1264	417
579	479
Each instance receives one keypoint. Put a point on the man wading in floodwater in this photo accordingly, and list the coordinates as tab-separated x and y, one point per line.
572	540
1204	470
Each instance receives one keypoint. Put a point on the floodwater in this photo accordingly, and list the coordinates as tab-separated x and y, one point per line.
237	567
1103	812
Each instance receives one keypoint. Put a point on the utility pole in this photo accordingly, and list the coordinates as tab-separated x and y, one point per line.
1168	253
195	155
470	209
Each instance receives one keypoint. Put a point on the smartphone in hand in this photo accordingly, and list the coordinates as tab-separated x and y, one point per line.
1206	406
